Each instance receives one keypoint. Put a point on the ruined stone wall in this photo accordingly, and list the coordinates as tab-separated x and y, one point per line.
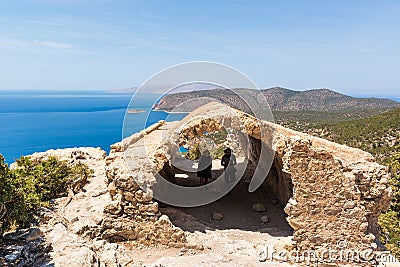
338	191
333	202
133	215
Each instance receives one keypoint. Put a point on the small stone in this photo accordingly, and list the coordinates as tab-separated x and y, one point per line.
178	236
164	220
217	216
363	227
349	205
374	246
112	189
292	201
75	219
264	219
97	219
114	208
98	244
259	207
143	196
32	234
128	196
12	257
369	238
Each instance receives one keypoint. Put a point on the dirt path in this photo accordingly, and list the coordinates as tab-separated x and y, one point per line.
237	212
236	240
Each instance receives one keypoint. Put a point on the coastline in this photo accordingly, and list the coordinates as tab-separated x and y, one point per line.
170	112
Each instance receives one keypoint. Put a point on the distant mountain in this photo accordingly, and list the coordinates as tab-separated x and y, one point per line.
150	88
131	90
320	100
279	99
189	101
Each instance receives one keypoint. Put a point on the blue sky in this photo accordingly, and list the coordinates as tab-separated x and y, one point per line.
348	46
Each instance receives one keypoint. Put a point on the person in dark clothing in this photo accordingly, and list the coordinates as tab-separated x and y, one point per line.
204	168
229	161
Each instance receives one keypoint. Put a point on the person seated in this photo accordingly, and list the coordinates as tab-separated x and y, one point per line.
204	168
229	161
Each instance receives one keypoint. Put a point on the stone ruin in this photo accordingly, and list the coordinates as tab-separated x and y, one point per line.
330	192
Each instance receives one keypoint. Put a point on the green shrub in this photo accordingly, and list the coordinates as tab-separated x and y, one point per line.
33	184
218	153
394	182
389	227
389	222
194	152
10	198
212	141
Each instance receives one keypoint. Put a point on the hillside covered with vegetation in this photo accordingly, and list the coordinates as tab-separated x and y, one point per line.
279	99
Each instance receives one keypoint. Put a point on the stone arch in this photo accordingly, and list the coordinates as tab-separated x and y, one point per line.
277	187
277	182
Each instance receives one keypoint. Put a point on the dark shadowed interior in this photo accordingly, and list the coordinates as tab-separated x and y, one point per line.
236	207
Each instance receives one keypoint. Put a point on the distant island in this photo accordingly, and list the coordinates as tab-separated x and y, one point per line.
134	111
169	111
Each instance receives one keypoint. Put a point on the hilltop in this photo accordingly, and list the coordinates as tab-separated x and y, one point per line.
279	99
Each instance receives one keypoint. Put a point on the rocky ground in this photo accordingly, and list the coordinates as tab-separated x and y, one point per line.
25	247
230	247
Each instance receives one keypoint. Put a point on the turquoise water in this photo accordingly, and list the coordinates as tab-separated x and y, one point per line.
183	150
33	121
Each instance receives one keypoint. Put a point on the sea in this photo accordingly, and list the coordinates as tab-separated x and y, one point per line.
34	121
